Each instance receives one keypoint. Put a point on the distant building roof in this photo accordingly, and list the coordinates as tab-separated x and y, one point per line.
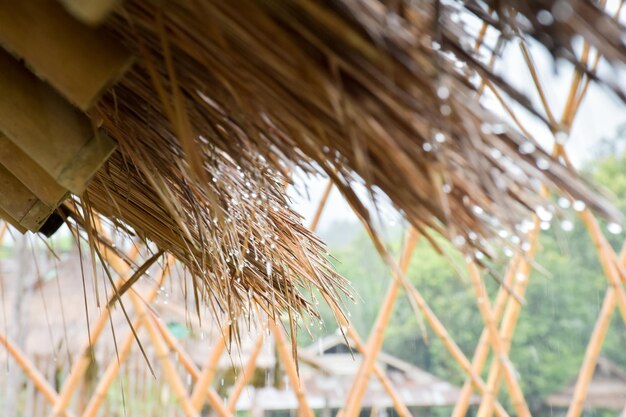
606	390
327	384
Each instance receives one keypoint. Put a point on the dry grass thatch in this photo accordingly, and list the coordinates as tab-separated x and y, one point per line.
228	97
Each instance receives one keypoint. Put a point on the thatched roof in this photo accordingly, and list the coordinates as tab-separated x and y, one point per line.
226	99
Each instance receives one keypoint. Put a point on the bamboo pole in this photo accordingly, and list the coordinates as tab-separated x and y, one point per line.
376	338
439	329
511	314
160	346
203	383
212	396
398	404
80	366
304	409
566	120
245	375
594	346
591	355
454	350
182	355
162	353
31	371
322	204
482	348
608	259
112	370
491	325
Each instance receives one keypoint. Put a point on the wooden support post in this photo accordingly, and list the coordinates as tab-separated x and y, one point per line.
31	175
78	61
491	325
284	353
375	341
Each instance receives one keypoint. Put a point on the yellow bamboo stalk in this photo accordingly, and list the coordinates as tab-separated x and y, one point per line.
592	353
162	353
322	204
482	348
535	76
398	404
491	325
160	346
454	350
284	352
99	395
608	259
203	383
181	354
31	371
434	322
80	366
511	315
212	396
245	375
375	341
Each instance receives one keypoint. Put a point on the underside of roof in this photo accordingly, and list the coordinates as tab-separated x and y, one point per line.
221	102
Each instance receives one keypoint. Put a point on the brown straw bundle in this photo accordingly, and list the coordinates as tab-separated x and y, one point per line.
228	97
